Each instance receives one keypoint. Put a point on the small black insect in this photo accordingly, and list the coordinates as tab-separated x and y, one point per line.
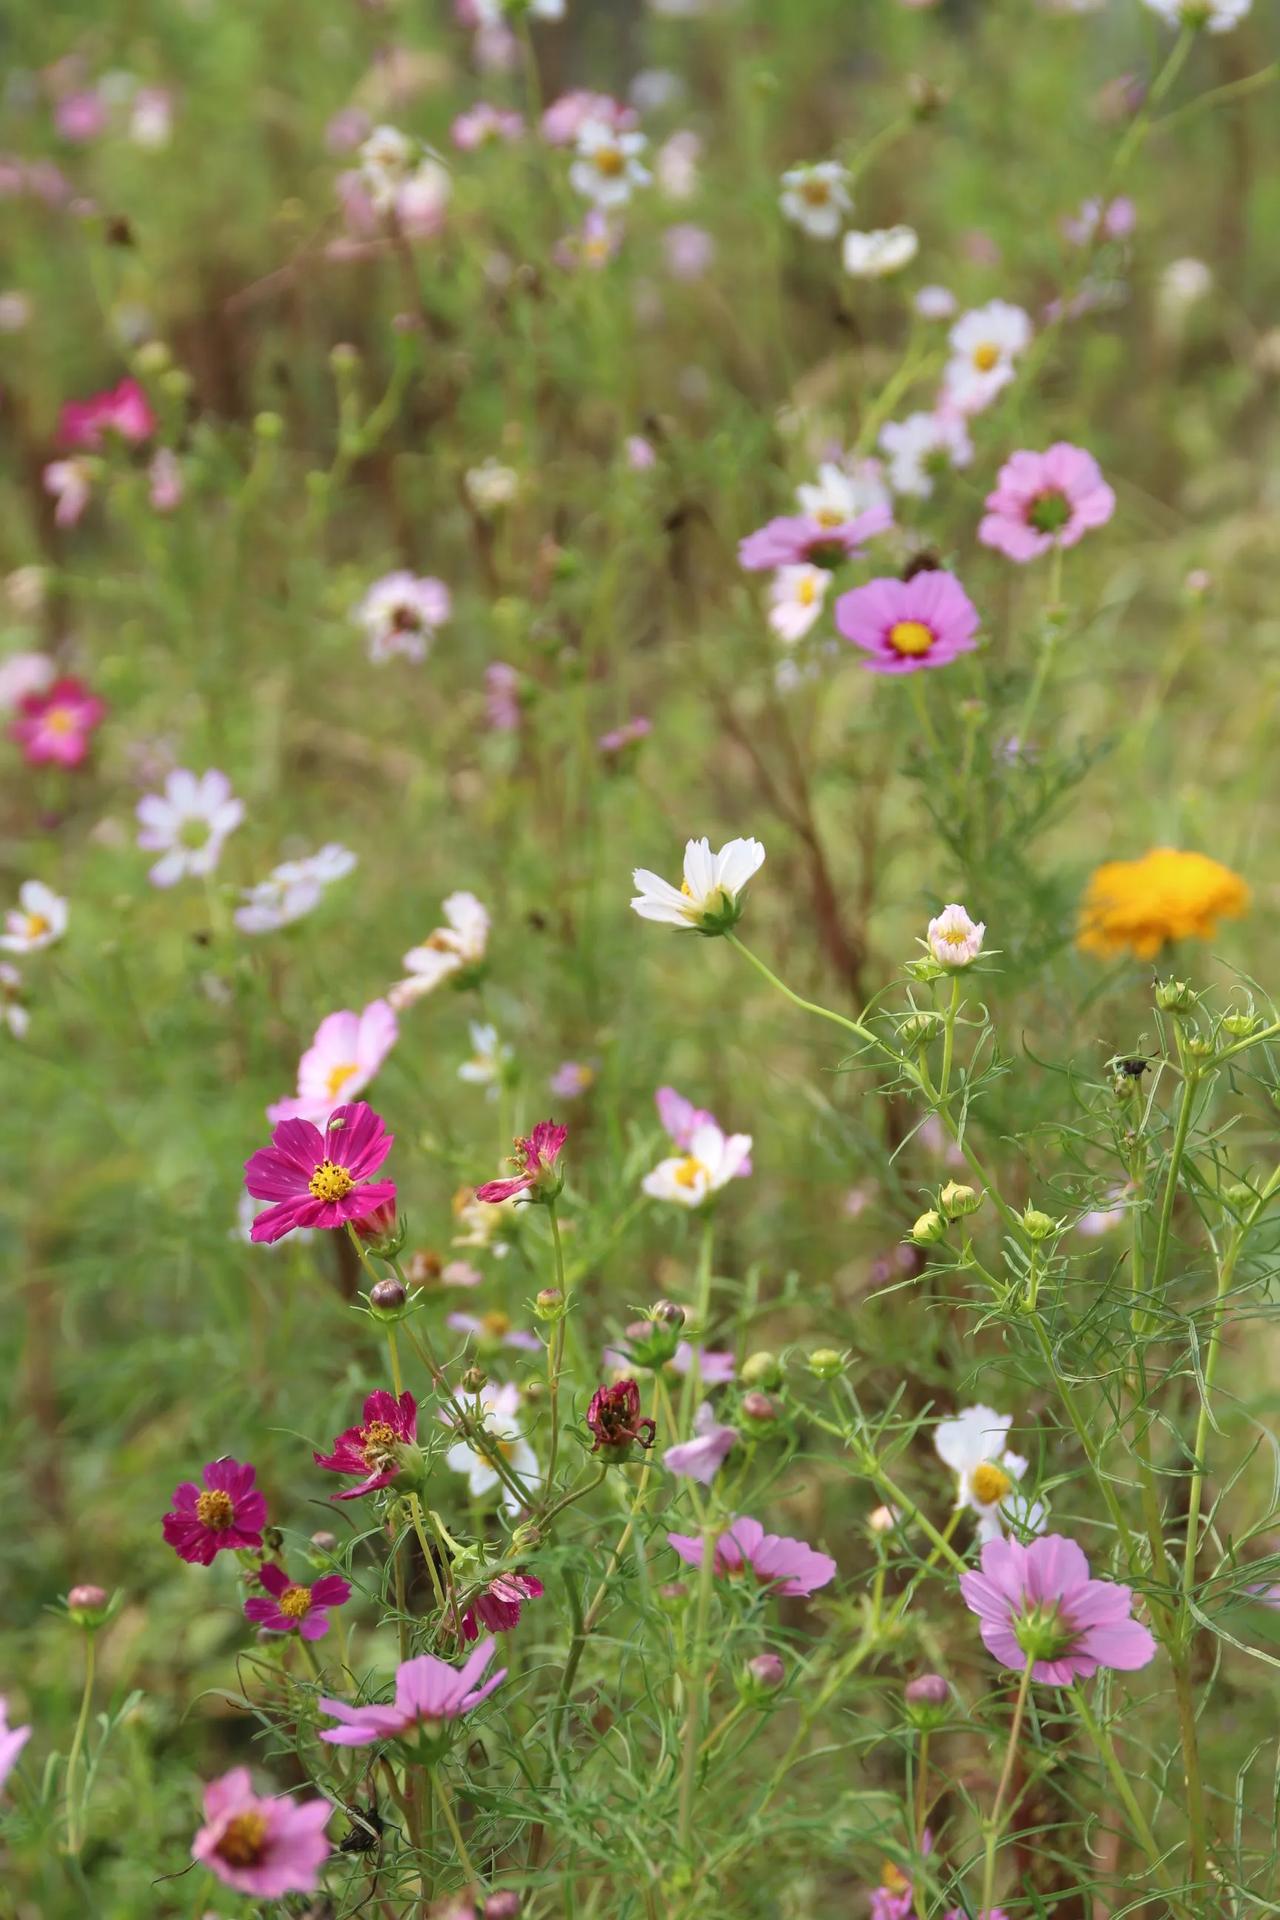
366	1830
1134	1068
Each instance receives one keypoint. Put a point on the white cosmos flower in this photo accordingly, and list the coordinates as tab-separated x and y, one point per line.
921	446
1219	16
816	198
841	494
386	160
875	255
796	595
973	1446
954	939
608	167
291	890
712	1160
12	1012
499	1408
708	897
985	344
491	486
489	1058
39	919
400	614
935	303
454	948
187	824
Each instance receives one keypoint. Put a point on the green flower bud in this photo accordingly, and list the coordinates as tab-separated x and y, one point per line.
762	1370
549	1304
956	1201
917	1028
1240	1025
928	1229
1239	1196
826	1363
1037	1225
1174	996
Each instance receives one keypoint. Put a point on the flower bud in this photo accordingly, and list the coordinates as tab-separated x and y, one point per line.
957	1201
762	1370
387	1298
826	1363
1199	1046
324	1541
548	1304
502	1906
651	1343
1240	1195
474	1380
344	358
1037	1225
152	357
917	1028
673	1594
928	1229
1240	1025
667	1313
926	1700
176	383
761	1678
1174	996
883	1520
88	1605
758	1410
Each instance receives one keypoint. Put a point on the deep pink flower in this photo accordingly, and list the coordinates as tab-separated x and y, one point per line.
228	1511
1038	1602
1044	500
427	1691
615	1422
266	1846
788	1566
498	1607
536	1157
799	539
375	1451
681	1120
287	1607
12	1741
904	625
57	725
320	1179
123	410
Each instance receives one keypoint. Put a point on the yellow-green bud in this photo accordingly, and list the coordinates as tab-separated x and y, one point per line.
762	1370
1174	996
826	1363
268	426
956	1201
928	1229
1037	1225
1240	1025
916	1028
152	358
1239	1196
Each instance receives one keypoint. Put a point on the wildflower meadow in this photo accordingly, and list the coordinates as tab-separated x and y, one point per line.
639	988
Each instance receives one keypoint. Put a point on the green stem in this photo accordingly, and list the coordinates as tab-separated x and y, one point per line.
949	1036
451	1821
1106	1752
697	1687
77	1746
996	1823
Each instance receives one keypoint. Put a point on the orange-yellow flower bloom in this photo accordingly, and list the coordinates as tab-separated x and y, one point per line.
1137	906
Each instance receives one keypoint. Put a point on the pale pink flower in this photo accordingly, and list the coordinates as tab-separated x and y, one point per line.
12	1741
786	1566
428	1692
906	625
1038	1603
1045	500
266	1846
341	1061
702	1457
485	125
70	484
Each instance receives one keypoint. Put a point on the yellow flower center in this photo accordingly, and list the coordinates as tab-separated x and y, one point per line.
816	192
986	356
689	1172
377	1442
893	1879
215	1511
330	1182
807	592
495	1324
610	161
37	926
829	517
990	1483
954	936
911	637
60	720
244	1841
337	1078
295	1602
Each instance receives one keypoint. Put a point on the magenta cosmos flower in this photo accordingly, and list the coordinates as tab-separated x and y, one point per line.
1038	1603
375	1452
228	1511
788	1566
904	625
536	1157
428	1691
499	1606
122	410
808	539
12	1741
264	1846
1044	500
286	1607
57	725
320	1179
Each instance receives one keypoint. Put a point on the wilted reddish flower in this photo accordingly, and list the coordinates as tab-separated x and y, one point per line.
122	410
228	1511
536	1157
375	1451
614	1419
57	725
286	1607
498	1608
320	1179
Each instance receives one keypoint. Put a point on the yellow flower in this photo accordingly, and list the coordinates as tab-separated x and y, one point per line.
1136	906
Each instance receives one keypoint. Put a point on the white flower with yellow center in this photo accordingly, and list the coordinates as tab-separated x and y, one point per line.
39	919
985	345
1217	16
816	198
707	900
954	939
796	595
454	949
973	1446
608	168
498	1413
875	255
922	447
712	1159
841	494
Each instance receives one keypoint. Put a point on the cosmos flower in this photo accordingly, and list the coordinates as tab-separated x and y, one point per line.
387	158
562	122
56	725
287	1607
292	890
816	198
786	1566
712	1160
493	1329
1045	500
187	824
985	346
70	484
84	425
457	948
428	1691
12	1741
400	614
1038	1603
608	167
227	1512
1100	220
1218	16
344	1057
935	303
708	900
715	1367
536	1157
265	1846
1138	906
499	1407
954	939
681	1120
811	539
498	1606
906	625
875	255
320	1179
702	1457
490	1058
571	1079
629	734
24	673
796	595
972	1444
485	125
922	447
13	1014
39	919
376	1450
615	1422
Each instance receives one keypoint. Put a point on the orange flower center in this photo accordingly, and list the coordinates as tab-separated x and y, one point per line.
689	1171
495	1324
911	637
378	1443
990	1483
610	161
330	1182
295	1602
986	356
244	1841
37	926
215	1511
816	192
337	1078
61	720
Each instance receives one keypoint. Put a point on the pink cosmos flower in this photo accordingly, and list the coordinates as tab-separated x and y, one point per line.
484	125
346	1053
618	739
1044	500
715	1367
123	411
12	1741
536	1158
788	1566
904	625
800	539
681	1120
689	251
287	1607
267	1846
320	1180
375	1451
565	118
69	483
571	1079
427	1691
493	1329
57	725
228	1512
1039	1603
498	1608
81	116
502	697
702	1457
1101	219
165	484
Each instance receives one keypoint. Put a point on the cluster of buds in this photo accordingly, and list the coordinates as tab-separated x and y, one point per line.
616	1424
652	1343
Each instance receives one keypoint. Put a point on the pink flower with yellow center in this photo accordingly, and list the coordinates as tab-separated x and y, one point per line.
346	1053
374	1451
228	1512
316	1179
266	1846
285	1606
906	625
57	725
